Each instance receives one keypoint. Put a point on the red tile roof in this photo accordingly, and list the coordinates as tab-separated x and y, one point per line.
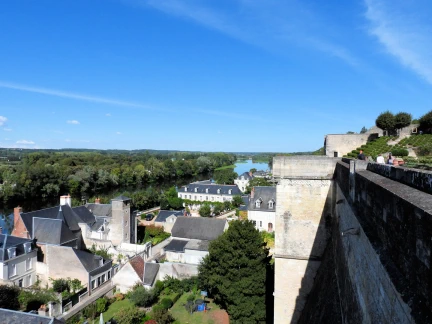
137	264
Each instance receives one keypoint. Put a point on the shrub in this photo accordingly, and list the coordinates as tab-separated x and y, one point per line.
119	296
142	297
159	287
161	316
129	315
101	304
60	285
90	311
190	298
166	303
9	297
425	149
31	300
399	152
176	297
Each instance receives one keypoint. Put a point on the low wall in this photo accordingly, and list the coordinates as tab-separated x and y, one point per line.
341	144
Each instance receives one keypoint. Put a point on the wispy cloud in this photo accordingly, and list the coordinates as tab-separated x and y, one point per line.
3	120
25	142
404	28
272	25
108	115
118	133
73	122
7	129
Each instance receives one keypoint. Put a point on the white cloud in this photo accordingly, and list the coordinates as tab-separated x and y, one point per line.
7	129
25	142
73	122
2	120
404	28
108	115
118	133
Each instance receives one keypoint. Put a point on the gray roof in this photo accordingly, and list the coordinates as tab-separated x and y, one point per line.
265	194
70	217
88	260
121	198
211	188
245	175
99	209
8	241
51	231
150	272
176	245
84	214
199	245
198	228
164	214
8	316
97	225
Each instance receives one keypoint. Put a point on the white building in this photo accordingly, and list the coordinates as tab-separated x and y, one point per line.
18	257
242	180
262	208
208	191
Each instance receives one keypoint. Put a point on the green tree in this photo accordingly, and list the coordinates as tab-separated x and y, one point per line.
426	120
142	297
402	120
217	209
253	170
101	305
225	176
234	272
205	210
237	201
129	315
227	205
257	182
363	130
9	297
162	316
386	121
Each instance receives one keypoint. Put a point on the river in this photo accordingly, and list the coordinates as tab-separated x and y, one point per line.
246	165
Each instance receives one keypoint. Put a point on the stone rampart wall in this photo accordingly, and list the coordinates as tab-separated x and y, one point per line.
342	144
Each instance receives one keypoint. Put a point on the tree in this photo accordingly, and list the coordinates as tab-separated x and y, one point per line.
363	130
402	120
386	121
161	316
350	132
253	170
217	209
227	205
205	210
225	176
426	120
234	272
142	297
237	201
9	297
257	182
101	305
129	315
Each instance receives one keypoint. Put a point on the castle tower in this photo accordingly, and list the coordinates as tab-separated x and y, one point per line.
120	225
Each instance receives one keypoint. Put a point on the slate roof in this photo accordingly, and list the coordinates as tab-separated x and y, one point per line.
97	225
88	260
99	209
51	231
199	245
198	228
8	316
70	217
245	175
265	194
84	214
212	189
176	245
150	272
8	241
137	264
121	198
164	214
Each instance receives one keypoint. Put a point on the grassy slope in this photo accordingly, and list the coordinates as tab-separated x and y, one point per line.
115	307
182	316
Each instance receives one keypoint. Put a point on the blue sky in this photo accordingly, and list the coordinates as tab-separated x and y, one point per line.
208	75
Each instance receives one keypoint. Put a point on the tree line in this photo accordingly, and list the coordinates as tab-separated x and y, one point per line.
46	174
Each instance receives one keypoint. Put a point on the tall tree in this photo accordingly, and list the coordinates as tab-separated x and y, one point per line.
234	272
402	120
225	176
363	130
9	297
257	182
426	120
386	121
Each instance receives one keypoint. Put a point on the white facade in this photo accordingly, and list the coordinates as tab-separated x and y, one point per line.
21	270
201	196
264	220
242	183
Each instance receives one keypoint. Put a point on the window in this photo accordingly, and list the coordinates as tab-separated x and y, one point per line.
230	191
190	196
185	188
200	197
206	190
103	278
20	283
258	204
218	191
93	284
212	198
13	270
195	197
206	197
270	204
270	227
196	189
98	281
254	222
109	275
28	264
260	223
126	223
12	252
180	196
27	247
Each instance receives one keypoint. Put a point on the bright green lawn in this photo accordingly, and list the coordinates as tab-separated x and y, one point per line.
115	307
182	316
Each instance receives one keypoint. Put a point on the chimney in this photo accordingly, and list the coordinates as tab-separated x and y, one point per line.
66	200
97	201
252	192
17	212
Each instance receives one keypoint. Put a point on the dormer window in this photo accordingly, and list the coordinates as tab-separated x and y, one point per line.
258	203
230	191
206	190
218	191
196	189
12	252
185	188
27	247
271	204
